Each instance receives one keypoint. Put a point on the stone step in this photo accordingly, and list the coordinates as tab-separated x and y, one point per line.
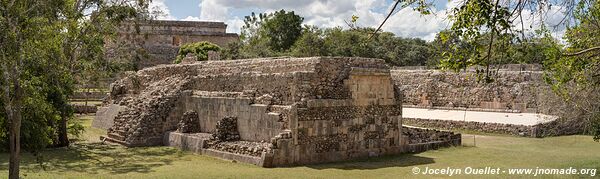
112	140
236	157
116	136
279	108
274	114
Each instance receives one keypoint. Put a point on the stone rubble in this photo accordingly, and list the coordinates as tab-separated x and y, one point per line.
421	135
149	109
189	123
240	147
227	130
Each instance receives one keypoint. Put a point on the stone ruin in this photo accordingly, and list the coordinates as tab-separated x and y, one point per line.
517	88
160	39
268	112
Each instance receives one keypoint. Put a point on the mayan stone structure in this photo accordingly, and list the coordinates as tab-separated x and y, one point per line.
158	41
269	112
513	90
517	88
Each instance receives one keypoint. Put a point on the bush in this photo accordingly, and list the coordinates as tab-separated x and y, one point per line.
595	129
200	49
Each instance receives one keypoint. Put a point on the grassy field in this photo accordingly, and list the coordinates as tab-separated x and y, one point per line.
90	159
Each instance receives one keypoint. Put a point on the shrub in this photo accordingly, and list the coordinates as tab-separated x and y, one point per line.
200	49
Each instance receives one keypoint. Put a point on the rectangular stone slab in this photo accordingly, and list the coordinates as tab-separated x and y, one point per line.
105	116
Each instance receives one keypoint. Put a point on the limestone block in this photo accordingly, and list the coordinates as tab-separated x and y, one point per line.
105	116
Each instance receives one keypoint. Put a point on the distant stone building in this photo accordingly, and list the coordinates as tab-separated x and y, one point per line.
150	43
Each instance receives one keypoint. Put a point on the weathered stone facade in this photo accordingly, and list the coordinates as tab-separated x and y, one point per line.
422	139
515	89
497	128
160	40
288	111
512	91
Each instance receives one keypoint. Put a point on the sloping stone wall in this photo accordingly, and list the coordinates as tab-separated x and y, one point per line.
510	129
517	91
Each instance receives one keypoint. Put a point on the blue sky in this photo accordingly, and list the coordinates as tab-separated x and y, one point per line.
323	13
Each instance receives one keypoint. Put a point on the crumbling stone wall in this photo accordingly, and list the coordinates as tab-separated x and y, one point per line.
497	128
189	123
288	111
423	135
227	130
512	90
160	40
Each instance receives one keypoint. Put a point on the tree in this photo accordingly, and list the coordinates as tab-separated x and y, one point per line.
282	29
25	27
574	71
483	34
199	49
356	42
86	25
278	31
44	44
310	43
489	21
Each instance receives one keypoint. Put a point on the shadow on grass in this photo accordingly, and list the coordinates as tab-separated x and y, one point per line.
402	160
94	158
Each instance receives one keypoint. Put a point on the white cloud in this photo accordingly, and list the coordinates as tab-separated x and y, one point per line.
161	10
191	18
550	17
212	10
410	23
234	25
331	13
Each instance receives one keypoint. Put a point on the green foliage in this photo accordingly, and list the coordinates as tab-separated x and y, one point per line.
282	29
276	31
47	47
199	49
260	31
457	54
36	134
582	69
233	50
75	128
349	43
482	25
311	43
356	43
575	71
595	128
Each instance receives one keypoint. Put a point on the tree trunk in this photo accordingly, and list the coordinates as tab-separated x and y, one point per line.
15	143
86	97
13	111
63	139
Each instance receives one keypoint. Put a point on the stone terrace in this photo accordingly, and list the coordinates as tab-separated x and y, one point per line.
287	111
517	102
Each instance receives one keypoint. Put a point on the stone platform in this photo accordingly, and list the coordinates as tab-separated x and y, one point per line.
287	111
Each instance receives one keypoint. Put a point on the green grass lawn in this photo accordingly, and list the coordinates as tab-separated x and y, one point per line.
90	159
